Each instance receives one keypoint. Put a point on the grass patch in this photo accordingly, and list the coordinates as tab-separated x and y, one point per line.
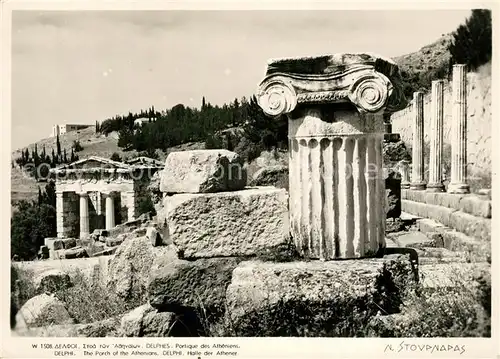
86	302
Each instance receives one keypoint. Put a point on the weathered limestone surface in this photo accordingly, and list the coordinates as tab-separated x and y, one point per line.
42	310
203	171
146	321
314	298
240	223
469	203
129	269
202	283
477	227
335	153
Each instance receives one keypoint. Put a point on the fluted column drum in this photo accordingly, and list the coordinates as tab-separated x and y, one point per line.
335	106
337	190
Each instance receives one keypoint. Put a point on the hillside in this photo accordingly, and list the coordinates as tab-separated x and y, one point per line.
417	68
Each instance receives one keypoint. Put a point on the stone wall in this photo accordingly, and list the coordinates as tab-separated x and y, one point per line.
478	121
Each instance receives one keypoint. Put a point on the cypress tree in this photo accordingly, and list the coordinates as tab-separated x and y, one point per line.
58	146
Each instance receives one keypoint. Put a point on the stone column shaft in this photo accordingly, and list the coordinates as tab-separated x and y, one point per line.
458	182
336	106
84	214
110	211
405	174
337	191
417	177
436	138
60	214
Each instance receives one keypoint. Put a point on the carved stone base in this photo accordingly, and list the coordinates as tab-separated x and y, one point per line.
461	188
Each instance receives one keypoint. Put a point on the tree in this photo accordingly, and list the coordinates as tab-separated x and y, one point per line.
32	222
472	41
115	157
58	144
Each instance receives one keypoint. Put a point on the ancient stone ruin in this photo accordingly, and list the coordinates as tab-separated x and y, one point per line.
335	106
91	194
259	260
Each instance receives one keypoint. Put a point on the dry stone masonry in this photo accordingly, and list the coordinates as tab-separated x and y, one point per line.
335	105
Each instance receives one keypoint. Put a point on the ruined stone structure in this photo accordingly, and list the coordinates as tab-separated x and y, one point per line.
336	106
92	192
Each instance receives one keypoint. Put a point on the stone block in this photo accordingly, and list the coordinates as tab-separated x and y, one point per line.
49	242
315	298
200	284
42	310
105	252
240	223
153	236
115	241
58	254
146	321
203	171
68	243
415	240
75	252
130	268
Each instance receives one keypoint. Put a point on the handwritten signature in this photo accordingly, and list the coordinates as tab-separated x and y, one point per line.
407	347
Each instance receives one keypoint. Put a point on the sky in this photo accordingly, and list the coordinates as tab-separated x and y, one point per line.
86	66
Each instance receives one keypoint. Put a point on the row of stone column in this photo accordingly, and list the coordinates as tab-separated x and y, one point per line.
458	183
84	213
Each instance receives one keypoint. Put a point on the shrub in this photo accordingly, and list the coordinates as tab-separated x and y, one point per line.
115	157
77	147
212	142
146	205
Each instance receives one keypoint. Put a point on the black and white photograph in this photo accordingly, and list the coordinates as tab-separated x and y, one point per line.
274	173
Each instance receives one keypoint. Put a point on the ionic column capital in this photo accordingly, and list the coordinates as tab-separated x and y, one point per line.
371	83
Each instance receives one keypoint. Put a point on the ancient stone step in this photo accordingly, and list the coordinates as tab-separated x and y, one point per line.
477	227
472	248
469	203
